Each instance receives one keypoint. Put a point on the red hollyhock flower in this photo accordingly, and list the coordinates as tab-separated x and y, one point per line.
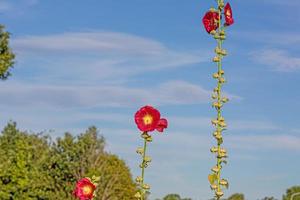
210	21
228	15
147	118
162	124
84	189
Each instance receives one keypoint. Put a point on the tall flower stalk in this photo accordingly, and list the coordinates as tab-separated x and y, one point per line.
147	120
213	23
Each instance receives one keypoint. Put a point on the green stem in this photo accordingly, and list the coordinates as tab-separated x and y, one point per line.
143	169
219	128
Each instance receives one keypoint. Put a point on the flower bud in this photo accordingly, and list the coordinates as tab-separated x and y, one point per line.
222	71
216	36
213	32
214	122
218	136
219	194
222	80
224	182
138	179
221	119
216	75
222	150
214	149
222	32
138	195
224	52
225	100
215	169
222	37
146	186
222	124
147	159
216	89
140	150
216	59
213	187
214	96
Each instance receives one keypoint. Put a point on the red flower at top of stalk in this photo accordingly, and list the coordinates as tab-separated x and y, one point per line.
211	21
162	124
84	189
228	15
148	119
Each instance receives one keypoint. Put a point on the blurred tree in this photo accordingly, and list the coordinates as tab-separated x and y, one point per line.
6	55
236	196
268	198
21	169
290	191
34	168
174	197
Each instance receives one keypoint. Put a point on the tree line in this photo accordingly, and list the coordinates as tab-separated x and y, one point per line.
33	166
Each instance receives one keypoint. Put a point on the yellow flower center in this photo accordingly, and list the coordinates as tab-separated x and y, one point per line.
87	190
148	119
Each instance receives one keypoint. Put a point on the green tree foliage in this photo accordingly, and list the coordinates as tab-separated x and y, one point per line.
268	198
237	196
174	197
290	191
6	55
21	169
32	167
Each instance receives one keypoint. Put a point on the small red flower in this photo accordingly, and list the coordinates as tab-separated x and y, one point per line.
211	20
84	189
228	15
162	124
147	118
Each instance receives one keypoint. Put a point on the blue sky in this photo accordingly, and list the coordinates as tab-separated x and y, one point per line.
95	62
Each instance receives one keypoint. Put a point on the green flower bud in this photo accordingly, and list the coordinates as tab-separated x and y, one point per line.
225	100
213	187
138	179
214	149
140	150
216	59
146	186
215	169
216	75
138	195
147	159
222	80
219	194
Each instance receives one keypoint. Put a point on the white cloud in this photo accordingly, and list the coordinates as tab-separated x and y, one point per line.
168	93
278	60
269	142
99	55
16	7
268	37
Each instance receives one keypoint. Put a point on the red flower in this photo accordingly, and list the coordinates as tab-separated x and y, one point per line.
228	15
147	118
84	189
162	124
210	21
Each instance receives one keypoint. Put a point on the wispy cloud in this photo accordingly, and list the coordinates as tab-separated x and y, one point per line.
100	55
263	142
16	7
269	37
170	93
278	60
